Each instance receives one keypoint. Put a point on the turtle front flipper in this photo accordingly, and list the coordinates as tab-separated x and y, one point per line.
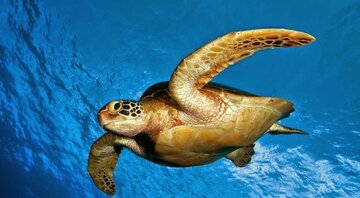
103	157
102	162
242	156
200	67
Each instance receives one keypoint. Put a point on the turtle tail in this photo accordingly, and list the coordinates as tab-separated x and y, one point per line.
278	129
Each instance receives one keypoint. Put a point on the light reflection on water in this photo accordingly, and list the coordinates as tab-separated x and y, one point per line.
60	62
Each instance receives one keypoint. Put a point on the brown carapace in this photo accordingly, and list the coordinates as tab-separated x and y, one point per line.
190	121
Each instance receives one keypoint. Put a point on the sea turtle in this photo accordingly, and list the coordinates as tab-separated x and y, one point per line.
190	121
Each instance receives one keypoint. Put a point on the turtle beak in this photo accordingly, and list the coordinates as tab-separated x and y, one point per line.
103	116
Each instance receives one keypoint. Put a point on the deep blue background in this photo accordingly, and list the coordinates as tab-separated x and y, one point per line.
60	61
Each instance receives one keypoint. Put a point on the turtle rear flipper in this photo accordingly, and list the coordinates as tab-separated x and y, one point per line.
242	156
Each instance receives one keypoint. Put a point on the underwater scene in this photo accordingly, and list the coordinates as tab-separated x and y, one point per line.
61	61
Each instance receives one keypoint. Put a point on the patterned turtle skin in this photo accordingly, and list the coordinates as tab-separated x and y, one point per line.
190	121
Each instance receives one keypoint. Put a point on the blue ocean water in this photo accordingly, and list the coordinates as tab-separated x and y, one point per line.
60	61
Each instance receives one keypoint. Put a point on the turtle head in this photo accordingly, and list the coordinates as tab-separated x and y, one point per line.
124	117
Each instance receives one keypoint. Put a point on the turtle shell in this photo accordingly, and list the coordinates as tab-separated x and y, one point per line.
161	89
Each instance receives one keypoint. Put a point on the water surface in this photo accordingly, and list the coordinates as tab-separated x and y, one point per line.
60	61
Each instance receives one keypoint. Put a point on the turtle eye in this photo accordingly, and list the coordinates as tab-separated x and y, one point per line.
115	106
